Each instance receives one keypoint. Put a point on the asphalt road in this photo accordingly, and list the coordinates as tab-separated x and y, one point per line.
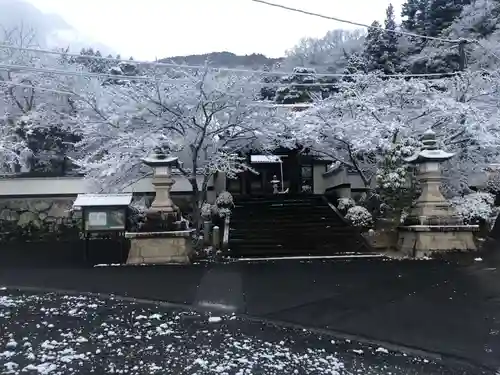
53	333
447	308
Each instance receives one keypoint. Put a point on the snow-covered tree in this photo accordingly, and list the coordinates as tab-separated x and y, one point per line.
296	87
396	186
441	14
205	119
356	64
357	126
414	16
36	123
327	53
391	41
475	207
375	51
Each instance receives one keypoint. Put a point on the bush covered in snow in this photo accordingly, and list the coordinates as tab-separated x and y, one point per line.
343	204
493	183
359	216
206	211
396	184
475	208
224	199
223	205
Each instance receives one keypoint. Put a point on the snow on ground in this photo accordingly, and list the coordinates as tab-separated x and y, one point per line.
64	334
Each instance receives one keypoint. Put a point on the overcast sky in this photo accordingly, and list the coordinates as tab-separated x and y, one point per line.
147	29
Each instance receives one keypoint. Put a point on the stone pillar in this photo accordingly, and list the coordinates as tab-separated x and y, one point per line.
162	183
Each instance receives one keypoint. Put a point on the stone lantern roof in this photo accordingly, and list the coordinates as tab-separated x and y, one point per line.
430	151
160	160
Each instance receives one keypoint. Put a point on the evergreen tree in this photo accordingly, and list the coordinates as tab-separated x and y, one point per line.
356	64
374	52
391	41
297	89
92	64
441	14
414	15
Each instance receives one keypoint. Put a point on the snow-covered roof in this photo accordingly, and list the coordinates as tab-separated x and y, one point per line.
430	155
86	200
265	159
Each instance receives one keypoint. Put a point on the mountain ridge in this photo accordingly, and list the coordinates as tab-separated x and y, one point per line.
225	59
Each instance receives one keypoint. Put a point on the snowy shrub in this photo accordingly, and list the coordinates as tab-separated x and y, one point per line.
137	214
224	212
475	207
343	204
206	211
493	183
396	183
224	199
359	216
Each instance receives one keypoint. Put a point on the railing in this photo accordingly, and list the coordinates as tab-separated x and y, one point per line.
225	235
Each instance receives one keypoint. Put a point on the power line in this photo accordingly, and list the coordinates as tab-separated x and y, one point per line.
74	73
487	50
261	104
41	88
184	81
355	23
197	67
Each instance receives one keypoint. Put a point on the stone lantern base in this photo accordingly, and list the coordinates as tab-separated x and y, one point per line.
419	241
160	247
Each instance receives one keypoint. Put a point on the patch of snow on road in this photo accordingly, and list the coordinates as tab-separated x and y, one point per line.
51	334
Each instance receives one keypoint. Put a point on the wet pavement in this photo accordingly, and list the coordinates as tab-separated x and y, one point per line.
445	308
54	333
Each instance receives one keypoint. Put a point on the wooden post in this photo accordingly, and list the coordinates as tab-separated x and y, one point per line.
461	54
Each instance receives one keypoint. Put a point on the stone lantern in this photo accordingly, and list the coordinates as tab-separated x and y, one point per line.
162	182
432	225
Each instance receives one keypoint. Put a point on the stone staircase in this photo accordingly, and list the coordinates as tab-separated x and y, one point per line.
283	225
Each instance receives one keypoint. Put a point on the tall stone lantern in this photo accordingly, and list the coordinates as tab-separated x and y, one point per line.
432	225
162	182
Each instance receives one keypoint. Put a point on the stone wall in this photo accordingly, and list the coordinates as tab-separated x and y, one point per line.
39	218
35	218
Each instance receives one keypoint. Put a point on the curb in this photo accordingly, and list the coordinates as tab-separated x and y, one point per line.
335	334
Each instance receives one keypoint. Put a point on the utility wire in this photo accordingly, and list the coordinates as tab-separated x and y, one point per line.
41	88
15	67
355	23
487	50
196	67
261	104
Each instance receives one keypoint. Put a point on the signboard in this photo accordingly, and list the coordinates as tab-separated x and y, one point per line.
100	219
86	200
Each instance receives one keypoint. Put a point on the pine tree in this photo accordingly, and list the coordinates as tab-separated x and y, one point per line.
414	15
297	89
356	64
442	13
391	42
375	48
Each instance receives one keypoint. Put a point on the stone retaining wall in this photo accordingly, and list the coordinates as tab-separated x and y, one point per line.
35	211
29	219
46	217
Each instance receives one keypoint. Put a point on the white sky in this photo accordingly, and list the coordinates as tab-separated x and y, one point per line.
147	29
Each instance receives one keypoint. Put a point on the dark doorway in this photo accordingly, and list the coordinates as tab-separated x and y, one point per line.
284	166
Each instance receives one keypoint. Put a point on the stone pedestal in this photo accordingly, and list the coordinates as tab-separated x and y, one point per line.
423	240
160	247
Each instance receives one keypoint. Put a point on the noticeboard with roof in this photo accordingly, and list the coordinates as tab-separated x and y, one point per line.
103	212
